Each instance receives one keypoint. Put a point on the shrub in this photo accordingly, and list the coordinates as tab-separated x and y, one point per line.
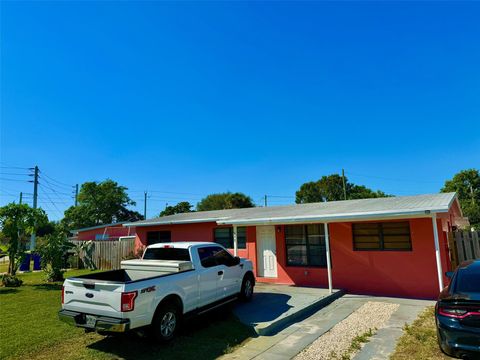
52	250
11	281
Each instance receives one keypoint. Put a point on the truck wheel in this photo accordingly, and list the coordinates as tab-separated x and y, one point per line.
166	323
247	288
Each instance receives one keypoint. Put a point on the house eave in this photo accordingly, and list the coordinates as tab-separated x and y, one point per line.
335	218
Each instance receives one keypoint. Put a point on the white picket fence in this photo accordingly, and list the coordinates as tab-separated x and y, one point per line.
466	245
105	254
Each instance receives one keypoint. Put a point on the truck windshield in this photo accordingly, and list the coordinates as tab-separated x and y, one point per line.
166	254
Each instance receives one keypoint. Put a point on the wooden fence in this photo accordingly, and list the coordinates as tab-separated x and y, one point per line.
464	245
106	254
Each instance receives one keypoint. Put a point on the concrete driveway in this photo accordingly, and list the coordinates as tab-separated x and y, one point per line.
274	307
288	339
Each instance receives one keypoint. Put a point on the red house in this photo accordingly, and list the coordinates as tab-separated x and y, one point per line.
104	232
393	246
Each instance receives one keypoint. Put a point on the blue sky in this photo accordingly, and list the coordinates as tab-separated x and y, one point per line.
186	99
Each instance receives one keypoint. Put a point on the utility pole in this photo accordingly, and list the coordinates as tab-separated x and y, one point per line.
344	185
35	187
21	196
35	198
145	205
76	194
265	200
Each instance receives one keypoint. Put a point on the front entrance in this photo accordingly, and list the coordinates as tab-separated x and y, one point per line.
266	251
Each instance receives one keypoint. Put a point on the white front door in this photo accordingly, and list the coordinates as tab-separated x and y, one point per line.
266	251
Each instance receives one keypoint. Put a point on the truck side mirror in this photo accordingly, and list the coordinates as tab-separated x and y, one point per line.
236	261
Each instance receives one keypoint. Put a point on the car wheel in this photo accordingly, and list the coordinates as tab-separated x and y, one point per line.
246	292
166	323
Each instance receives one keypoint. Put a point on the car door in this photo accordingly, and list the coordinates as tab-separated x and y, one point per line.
208	276
230	280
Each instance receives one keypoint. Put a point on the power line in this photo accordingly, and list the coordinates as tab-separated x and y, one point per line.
61	187
17	180
54	205
59	182
6	173
14	167
50	186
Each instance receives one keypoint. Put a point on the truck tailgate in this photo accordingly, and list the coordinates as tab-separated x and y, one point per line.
93	297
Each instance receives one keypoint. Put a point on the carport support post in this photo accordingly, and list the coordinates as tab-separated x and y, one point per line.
235	240
437	252
329	265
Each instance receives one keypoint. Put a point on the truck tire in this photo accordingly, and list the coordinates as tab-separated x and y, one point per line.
248	284
166	323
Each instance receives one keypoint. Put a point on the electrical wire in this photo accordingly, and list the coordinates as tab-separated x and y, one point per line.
59	182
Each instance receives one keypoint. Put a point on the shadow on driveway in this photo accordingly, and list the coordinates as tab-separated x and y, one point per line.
264	307
203	337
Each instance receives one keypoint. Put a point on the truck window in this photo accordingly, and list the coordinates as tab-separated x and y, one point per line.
166	254
213	255
223	257
206	255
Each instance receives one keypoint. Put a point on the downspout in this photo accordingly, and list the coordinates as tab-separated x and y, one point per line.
437	252
329	265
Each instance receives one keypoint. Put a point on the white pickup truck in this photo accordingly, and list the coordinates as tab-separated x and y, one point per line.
172	280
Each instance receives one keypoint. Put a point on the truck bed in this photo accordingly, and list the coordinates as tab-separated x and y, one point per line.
136	270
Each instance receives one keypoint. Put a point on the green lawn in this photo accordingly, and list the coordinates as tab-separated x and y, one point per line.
419	340
3	267
30	329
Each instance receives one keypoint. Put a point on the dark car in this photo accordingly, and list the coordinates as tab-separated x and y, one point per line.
457	312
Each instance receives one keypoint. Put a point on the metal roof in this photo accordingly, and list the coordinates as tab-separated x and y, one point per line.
123	223
347	210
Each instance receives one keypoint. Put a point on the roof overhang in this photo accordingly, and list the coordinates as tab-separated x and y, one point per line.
232	219
176	222
335	218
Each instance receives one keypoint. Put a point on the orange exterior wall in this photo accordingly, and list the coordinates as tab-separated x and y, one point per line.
410	274
114	232
188	232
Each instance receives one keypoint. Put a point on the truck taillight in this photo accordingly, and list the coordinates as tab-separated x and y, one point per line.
128	301
63	295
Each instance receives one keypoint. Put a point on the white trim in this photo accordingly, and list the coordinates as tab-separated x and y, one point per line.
329	265
235	240
173	222
437	252
333	218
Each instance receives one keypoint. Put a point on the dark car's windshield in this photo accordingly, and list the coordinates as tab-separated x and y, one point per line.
166	254
468	280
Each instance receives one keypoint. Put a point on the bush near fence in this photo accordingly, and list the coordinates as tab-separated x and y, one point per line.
105	254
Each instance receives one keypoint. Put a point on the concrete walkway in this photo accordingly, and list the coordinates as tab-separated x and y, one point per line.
288	342
382	344
274	307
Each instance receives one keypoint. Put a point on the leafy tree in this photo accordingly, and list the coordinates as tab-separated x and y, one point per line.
100	203
226	200
466	184
52	249
47	228
330	188
181	207
17	222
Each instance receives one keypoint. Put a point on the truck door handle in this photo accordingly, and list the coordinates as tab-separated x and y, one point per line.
220	272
